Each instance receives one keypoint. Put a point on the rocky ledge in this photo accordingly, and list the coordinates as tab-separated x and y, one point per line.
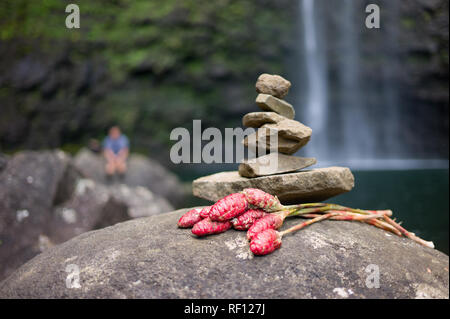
151	258
45	200
142	171
305	186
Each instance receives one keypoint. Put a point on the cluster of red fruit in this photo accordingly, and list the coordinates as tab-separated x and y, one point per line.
247	210
261	214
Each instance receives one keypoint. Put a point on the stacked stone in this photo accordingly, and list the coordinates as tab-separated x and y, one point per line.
287	180
278	119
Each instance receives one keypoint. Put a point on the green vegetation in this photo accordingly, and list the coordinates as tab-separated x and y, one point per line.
162	63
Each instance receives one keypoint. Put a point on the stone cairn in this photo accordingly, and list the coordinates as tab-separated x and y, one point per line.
287	179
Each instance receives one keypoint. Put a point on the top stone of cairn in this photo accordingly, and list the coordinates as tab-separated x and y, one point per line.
274	85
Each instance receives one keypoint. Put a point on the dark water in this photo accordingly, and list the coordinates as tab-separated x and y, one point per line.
418	198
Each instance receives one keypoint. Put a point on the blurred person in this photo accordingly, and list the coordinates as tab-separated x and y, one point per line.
115	151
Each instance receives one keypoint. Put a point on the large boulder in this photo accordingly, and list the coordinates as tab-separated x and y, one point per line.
94	206
3	161
152	258
44	201
142	171
30	184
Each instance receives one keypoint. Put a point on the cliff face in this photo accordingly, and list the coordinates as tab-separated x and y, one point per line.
415	37
154	65
389	84
148	65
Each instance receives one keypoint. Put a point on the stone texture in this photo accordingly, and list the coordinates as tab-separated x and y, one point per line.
306	186
94	206
285	146
152	258
291	129
257	119
28	188
45	201
3	161
142	171
274	85
292	136
270	103
274	163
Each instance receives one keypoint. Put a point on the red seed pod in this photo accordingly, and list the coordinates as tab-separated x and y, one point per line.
228	207
209	227
265	242
258	198
204	213
245	220
190	218
270	221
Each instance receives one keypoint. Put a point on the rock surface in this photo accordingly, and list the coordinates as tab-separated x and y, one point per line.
274	163
28	191
257	119
152	258
270	103
273	85
292	136
3	161
306	186
94	206
44	201
142	171
262	138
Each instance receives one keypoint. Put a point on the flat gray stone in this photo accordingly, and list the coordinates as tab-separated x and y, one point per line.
152	258
291	129
305	186
257	119
274	85
292	136
274	163
270	103
285	146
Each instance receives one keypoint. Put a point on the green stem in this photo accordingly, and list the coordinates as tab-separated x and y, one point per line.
361	211
305	205
314	207
301	211
307	223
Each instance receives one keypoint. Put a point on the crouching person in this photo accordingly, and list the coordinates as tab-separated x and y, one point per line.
115	151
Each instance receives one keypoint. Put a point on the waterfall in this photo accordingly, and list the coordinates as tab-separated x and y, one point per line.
316	101
355	116
358	139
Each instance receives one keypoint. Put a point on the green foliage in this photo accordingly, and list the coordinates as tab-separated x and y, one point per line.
161	56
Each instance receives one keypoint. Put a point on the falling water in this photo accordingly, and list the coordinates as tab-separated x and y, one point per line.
360	145
316	104
355	121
